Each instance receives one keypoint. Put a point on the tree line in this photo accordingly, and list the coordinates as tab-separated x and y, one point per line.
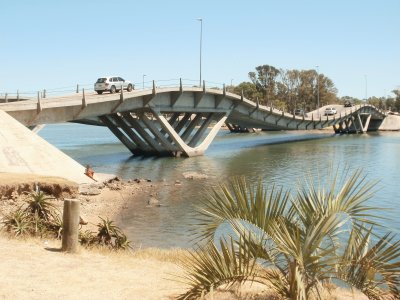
288	90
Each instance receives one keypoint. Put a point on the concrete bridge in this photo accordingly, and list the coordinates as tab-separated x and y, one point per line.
176	120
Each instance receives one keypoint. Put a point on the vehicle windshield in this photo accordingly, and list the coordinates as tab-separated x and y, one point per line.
101	80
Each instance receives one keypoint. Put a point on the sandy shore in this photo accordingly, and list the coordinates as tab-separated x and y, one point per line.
105	200
36	269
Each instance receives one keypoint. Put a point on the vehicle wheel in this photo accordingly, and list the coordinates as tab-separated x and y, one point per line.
113	89
129	88
99	92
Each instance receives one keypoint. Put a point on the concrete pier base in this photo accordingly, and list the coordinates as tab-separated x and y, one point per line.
23	151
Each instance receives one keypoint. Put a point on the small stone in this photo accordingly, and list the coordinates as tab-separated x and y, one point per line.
153	201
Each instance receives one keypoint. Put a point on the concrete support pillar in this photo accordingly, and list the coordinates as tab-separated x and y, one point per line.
70	231
157	136
363	125
182	123
114	129
366	125
151	142
200	132
189	129
189	150
167	145
123	123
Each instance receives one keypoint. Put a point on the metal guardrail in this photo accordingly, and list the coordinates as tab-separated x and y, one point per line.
59	91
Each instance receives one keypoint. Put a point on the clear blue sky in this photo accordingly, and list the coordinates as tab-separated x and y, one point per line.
51	44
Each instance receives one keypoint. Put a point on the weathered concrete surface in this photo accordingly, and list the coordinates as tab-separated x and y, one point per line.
391	122
24	152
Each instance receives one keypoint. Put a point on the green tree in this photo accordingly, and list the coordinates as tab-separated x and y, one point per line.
350	99
265	80
396	103
249	91
390	103
293	244
291	89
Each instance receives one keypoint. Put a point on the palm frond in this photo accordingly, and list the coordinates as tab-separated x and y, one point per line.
254	204
39	203
371	267
209	267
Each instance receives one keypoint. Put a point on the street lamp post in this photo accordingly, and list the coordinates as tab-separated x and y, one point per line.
318	89
144	75
201	40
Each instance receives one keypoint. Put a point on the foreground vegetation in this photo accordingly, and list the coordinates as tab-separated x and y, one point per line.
39	217
296	245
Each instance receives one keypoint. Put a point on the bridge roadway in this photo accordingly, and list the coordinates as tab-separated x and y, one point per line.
175	120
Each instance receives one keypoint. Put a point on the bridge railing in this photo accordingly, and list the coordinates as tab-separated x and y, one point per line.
89	87
66	91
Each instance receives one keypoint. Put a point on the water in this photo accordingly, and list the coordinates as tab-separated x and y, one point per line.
258	155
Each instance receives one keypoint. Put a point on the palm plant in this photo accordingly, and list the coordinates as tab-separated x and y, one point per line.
121	242
293	245
40	204
87	238
111	235
106	231
17	222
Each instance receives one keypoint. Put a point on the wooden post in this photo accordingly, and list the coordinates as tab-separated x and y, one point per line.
70	241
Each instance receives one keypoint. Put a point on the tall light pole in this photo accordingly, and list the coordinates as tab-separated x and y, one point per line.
366	89
318	88
201	41
144	75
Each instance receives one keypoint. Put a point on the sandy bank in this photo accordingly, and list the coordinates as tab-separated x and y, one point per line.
105	200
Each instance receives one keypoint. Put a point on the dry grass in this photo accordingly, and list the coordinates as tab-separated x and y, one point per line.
14	178
13	185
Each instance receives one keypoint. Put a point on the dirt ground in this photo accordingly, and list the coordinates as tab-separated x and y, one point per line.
99	199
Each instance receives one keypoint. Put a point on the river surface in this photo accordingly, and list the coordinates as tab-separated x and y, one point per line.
262	155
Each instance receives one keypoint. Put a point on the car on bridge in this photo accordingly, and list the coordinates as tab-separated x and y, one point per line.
300	112
348	104
112	84
330	111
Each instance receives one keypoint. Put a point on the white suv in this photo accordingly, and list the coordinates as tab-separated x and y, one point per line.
330	111
112	84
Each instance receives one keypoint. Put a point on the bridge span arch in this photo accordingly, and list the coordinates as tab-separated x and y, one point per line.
176	120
